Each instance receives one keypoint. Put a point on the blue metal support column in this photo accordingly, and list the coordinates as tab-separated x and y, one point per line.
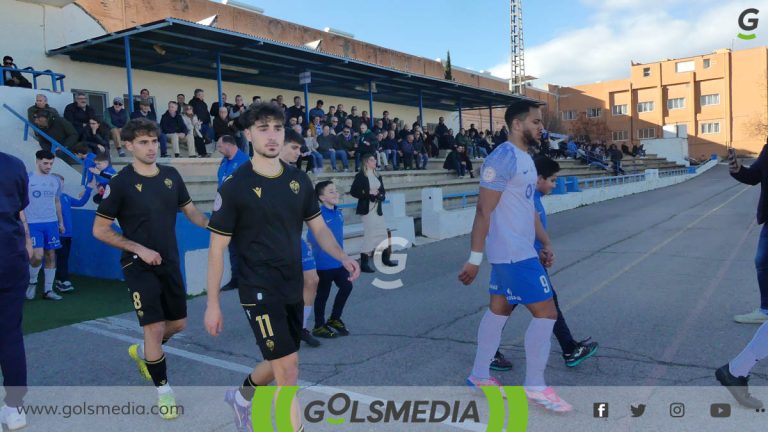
370	102
218	76
421	110
129	73
461	121
306	103
490	116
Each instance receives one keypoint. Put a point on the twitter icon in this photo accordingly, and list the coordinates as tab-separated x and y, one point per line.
637	411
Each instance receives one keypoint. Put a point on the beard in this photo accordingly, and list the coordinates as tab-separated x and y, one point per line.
529	140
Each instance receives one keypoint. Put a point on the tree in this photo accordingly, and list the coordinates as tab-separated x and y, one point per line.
591	129
448	71
552	121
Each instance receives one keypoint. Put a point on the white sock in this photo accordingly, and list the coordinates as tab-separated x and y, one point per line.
141	350
756	350
488	339
163	389
33	272
537	345
307	313
241	400
50	275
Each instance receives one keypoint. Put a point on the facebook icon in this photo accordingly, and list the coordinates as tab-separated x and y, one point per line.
600	410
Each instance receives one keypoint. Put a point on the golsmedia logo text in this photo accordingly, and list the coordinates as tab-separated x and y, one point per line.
340	408
748	22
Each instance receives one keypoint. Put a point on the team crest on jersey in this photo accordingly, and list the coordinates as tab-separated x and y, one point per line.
270	345
257	190
140	313
295	186
489	174
168	183
139	186
217	202
107	190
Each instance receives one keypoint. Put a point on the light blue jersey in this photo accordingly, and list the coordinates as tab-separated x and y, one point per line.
43	190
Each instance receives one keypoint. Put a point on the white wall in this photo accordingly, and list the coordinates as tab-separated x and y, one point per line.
672	149
36	29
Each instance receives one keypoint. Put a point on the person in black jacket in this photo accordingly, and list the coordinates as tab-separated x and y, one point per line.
616	156
368	188
96	136
201	111
174	128
223	125
13	78
458	161
79	112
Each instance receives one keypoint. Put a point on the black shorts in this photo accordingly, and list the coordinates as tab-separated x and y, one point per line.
157	292
277	327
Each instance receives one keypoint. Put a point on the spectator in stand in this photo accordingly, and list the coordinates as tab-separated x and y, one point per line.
317	111
296	111
340	113
102	171
403	133
181	99
364	144
450	141
432	145
381	155
472	129
201	111
310	152
194	134
330	115
325	146
458	161
145	111
215	105
145	97
115	117
317	125
238	108
41	103
483	146
441	130
335	128
96	137
365	118
349	125
232	160
13	78
345	146
223	125
256	100
406	152
355	120
616	156
462	140
378	126
571	148
62	282
79	112
390	147
420	152
172	125
55	127
386	122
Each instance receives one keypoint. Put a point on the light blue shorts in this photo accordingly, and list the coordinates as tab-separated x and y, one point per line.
523	282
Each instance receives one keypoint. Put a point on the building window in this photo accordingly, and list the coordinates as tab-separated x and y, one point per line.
96	99
646	133
645	107
620	135
711	99
619	110
646	71
676	103
710	128
707	63
569	115
686	66
594	112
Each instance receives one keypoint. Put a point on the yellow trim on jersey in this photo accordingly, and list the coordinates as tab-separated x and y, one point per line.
127	265
148	176
185	204
314	216
105	216
210	228
248	304
282	170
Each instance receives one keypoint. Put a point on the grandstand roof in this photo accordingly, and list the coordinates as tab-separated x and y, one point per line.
186	48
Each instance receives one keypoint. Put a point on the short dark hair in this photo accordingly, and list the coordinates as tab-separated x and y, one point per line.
7	58
197	91
44	154
137	127
180	94
545	166
81	148
519	110
262	111
291	136
102	157
320	102
320	186
228	139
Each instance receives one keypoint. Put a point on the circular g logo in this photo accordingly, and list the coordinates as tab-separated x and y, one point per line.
401	260
748	24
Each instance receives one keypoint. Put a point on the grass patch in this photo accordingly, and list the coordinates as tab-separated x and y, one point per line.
91	299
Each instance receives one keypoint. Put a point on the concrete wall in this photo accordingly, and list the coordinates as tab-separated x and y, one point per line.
671	149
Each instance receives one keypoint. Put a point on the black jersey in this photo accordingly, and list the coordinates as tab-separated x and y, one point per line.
146	208
264	216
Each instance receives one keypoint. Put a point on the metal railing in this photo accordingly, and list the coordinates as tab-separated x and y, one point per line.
610	181
55	76
462	195
672	173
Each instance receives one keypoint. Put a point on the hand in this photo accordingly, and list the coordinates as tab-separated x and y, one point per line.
29	247
352	267
150	257
80	195
62	228
213	321
734	165
468	273
94	170
546	256
101	148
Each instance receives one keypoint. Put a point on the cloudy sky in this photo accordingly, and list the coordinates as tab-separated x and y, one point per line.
567	42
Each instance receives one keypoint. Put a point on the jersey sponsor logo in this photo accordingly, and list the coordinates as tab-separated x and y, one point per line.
36	194
217	202
295	186
489	174
529	191
139	186
257	190
107	190
168	183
